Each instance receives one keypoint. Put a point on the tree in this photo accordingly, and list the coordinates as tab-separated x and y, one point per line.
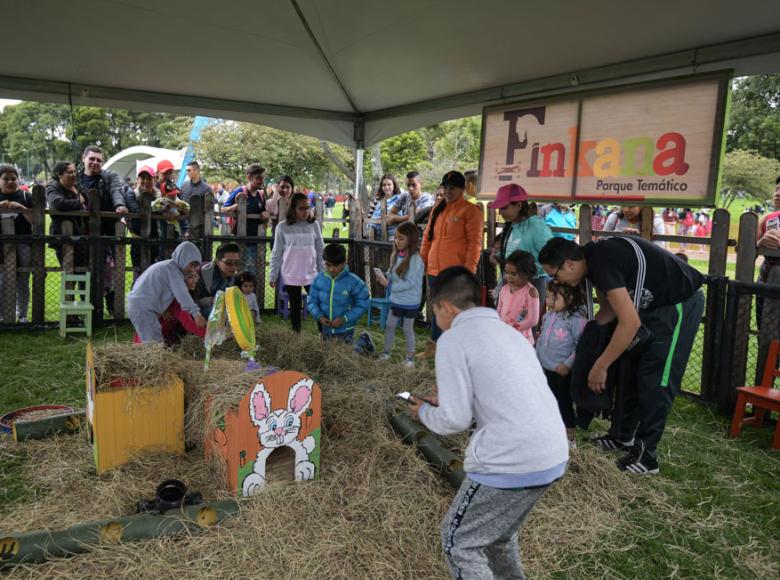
227	149
49	132
404	153
754	121
745	173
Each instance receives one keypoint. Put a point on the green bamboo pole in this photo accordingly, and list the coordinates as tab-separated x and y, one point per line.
39	546
48	426
444	461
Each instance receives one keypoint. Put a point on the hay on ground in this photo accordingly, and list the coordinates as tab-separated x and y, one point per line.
374	512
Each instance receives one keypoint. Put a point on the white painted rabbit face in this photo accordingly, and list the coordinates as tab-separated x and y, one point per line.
282	426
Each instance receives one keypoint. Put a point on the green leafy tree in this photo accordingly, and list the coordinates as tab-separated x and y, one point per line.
404	153
754	121
227	149
747	174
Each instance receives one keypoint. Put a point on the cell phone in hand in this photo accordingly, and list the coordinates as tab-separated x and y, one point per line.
405	396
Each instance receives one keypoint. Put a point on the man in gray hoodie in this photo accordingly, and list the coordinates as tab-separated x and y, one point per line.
519	446
158	287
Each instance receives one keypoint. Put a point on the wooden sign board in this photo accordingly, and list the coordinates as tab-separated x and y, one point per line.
273	435
657	143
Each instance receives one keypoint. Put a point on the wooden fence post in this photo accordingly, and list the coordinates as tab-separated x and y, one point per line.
746	263
96	255
196	217
262	233
318	211
491	227
38	255
383	217
648	216
719	242
9	273
146	230
67	248
586	224
715	302
208	225
120	273
355	219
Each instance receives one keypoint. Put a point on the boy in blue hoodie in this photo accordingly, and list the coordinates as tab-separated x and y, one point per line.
518	447
338	299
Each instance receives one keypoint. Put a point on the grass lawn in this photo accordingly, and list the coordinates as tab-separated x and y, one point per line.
718	518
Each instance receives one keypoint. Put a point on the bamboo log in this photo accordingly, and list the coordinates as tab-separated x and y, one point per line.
48	426
446	463
38	546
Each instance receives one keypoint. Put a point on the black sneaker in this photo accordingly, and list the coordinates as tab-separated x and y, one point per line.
637	461
364	345
609	443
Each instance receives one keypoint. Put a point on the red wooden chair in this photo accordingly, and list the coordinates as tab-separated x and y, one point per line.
762	398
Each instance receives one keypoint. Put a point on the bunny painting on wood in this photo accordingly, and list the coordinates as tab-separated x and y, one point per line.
271	435
280	428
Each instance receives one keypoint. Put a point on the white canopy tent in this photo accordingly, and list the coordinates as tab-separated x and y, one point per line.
358	71
127	162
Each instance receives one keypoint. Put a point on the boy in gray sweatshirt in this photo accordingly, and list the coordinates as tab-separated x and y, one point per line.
519	446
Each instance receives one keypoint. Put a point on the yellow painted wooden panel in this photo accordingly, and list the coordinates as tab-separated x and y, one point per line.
140	419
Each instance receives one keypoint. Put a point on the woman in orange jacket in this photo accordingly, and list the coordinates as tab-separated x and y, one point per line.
454	234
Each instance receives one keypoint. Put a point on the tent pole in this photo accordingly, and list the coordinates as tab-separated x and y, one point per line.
356	211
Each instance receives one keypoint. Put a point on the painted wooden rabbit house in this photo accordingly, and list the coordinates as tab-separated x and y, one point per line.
272	435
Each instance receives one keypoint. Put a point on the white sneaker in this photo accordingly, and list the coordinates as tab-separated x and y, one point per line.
384	356
23	320
409	363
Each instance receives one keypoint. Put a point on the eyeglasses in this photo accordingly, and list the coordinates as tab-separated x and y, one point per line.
232	262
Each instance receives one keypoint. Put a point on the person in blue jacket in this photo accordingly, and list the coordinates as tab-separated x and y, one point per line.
338	299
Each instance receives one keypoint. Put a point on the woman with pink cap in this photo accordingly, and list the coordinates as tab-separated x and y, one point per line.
522	231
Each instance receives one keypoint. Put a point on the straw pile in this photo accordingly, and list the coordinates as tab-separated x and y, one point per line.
132	364
374	512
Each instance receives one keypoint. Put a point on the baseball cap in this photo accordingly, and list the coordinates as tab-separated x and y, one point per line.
146	169
507	194
454	178
164	166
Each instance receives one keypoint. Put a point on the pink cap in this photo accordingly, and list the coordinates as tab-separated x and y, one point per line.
507	194
146	169
164	166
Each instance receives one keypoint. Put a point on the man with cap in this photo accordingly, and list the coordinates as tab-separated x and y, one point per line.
522	231
134	201
255	196
453	237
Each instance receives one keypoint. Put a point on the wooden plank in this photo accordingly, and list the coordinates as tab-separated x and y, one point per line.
746	261
120	271
383	218
746	247
719	242
646	228
262	232
586	224
491	227
9	273
146	229
208	225
38	255
196	218
67	248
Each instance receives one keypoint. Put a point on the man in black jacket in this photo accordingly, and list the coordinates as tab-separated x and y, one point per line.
112	198
108	183
638	285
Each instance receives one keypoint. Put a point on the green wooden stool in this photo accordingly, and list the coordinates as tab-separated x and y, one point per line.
75	302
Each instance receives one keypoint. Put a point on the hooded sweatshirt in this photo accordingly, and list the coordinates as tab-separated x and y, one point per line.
163	282
558	339
497	381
